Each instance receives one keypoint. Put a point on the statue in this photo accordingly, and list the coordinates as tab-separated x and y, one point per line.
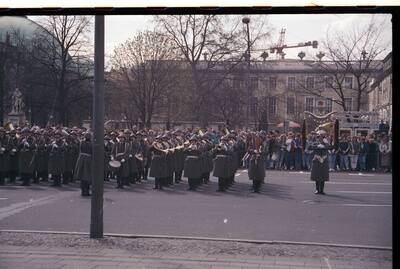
16	102
17	115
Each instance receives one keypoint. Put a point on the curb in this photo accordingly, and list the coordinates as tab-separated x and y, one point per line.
271	242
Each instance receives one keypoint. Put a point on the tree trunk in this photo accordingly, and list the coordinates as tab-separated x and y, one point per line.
358	100
2	90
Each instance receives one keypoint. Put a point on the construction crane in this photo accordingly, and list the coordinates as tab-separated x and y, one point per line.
280	46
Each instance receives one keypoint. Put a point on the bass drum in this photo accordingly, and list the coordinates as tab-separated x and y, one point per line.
114	164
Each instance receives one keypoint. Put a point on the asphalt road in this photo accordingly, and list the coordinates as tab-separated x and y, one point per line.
357	209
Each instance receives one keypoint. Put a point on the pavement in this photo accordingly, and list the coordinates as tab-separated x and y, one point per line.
62	251
349	227
357	209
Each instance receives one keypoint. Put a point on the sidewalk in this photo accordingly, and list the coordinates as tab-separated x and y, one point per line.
55	251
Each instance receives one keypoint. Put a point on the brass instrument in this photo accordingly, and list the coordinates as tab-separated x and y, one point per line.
9	126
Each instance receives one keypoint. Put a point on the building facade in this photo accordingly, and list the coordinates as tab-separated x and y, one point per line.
380	92
284	89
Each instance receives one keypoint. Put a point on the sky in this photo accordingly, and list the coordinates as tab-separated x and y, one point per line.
299	28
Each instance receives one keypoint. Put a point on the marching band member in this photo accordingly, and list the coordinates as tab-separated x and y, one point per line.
56	160
192	165
42	157
4	156
222	164
13	150
119	153
83	168
158	163
26	156
256	168
320	165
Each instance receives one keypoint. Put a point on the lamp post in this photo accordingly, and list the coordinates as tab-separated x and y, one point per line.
246	21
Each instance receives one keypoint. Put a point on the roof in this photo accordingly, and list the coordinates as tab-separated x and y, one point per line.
21	25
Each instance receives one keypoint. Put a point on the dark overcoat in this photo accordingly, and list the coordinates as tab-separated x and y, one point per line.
83	168
158	166
320	170
222	164
42	158
256	167
56	160
26	160
4	156
179	160
193	164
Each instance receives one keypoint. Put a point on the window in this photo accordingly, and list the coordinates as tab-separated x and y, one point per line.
348	104
254	83
328	82
290	105
272	83
328	105
253	105
310	82
291	83
310	104
272	105
236	83
348	82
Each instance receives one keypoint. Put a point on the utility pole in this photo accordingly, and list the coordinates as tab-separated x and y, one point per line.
246	21
96	218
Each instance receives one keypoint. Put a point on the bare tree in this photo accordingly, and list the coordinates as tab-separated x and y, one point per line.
147	70
353	53
207	43
66	54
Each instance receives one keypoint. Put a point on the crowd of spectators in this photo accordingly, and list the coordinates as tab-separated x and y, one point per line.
286	151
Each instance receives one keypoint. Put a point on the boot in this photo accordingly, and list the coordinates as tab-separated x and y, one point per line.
321	187
317	187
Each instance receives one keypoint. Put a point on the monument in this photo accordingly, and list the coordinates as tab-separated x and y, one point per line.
17	115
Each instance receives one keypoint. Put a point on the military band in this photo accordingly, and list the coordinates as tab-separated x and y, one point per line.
64	155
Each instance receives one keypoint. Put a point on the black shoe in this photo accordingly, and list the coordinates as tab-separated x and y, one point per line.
322	193
155	188
255	191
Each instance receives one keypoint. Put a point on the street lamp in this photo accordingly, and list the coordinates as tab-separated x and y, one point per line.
246	21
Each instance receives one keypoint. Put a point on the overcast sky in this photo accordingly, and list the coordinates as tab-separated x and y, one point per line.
299	28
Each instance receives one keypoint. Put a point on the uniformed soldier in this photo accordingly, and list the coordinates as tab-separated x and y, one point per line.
107	157
147	142
179	160
132	161
207	160
193	165
26	156
56	159
119	153
4	156
83	168
158	163
320	165
222	164
42	156
13	143
69	164
256	168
